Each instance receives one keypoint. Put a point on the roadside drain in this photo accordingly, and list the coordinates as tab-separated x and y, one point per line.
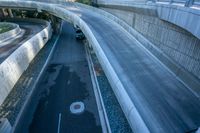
77	108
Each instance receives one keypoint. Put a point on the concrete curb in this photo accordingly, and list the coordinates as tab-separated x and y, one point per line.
100	104
11	33
35	84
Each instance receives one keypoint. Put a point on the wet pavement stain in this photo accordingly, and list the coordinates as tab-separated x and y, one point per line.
57	97
66	74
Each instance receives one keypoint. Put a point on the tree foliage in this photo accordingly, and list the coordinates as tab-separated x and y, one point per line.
88	2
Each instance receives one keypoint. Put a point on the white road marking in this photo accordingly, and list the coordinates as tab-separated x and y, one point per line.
59	120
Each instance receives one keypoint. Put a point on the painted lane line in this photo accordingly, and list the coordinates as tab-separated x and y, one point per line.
59	120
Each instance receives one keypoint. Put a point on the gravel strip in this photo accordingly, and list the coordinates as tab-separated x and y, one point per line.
116	117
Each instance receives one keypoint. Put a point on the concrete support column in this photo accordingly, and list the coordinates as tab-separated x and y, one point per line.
10	13
5	13
1	14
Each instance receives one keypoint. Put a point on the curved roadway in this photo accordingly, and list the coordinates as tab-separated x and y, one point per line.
29	29
163	102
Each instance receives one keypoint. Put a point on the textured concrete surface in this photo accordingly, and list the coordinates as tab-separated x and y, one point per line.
152	98
186	17
17	62
180	45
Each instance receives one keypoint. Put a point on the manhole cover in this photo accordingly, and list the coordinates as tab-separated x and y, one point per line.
77	107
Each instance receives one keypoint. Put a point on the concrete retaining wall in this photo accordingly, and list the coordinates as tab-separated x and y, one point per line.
178	44
187	18
11	33
12	68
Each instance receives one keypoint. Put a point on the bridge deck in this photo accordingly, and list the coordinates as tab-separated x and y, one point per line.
164	102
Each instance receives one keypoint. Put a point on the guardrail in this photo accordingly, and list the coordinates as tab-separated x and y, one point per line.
186	3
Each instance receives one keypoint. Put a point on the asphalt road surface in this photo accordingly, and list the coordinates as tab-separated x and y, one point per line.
164	103
65	81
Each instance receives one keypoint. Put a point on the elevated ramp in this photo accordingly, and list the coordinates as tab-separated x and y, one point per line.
151	96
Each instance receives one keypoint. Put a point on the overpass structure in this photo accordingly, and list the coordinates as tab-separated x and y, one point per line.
152	96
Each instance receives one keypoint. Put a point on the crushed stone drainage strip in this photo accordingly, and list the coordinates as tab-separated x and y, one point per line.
77	108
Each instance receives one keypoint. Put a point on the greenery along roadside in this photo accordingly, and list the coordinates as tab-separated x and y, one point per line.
88	2
5	27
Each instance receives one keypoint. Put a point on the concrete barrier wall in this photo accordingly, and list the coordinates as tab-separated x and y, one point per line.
11	33
12	68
